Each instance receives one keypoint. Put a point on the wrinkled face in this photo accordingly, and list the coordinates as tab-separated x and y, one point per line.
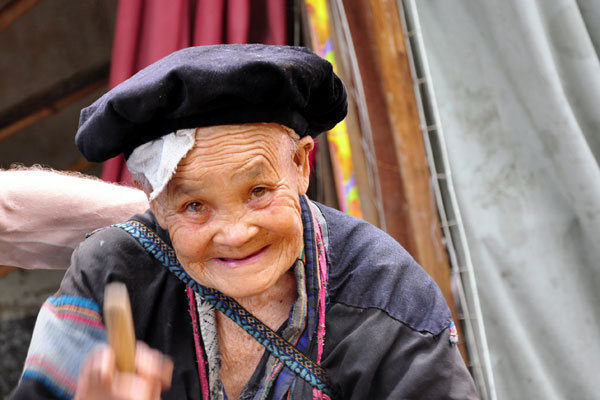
232	207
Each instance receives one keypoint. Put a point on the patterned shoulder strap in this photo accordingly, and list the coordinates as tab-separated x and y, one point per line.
295	360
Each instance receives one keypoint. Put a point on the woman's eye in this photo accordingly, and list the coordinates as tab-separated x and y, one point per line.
258	192
195	207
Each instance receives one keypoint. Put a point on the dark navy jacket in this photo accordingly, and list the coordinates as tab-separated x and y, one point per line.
387	323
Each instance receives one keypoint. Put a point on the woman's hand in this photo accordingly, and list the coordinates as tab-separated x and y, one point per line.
100	380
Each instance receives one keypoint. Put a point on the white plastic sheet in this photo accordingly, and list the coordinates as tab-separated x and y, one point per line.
518	90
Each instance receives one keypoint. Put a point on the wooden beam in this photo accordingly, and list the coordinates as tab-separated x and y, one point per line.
5	270
80	165
408	200
13	11
48	102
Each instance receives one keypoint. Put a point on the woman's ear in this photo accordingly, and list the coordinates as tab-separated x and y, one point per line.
158	210
303	148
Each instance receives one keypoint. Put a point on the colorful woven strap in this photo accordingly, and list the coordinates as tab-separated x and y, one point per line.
279	347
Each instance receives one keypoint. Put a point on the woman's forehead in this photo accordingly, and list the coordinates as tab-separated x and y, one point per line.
232	174
238	150
267	132
216	144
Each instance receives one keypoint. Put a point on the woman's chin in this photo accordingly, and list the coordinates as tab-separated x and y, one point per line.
240	290
233	282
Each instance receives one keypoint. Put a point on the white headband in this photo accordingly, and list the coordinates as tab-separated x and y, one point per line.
157	160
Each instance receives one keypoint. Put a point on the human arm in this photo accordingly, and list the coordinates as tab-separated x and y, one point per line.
389	330
371	355
70	324
45	214
99	379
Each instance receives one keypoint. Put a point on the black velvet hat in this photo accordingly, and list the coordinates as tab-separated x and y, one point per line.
214	85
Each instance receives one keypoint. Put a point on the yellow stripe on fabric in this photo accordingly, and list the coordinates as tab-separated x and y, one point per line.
337	138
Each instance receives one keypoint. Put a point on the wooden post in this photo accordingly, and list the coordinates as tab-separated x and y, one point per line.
394	203
13	11
410	212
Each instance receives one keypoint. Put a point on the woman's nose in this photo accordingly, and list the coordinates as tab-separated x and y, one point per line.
234	231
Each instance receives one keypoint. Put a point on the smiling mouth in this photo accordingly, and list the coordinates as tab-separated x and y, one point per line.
230	261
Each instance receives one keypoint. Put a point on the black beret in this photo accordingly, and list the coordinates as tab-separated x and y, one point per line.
214	85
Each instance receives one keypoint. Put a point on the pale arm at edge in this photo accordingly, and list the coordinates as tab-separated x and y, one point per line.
45	214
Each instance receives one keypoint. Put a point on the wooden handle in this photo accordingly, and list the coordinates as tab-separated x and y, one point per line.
119	325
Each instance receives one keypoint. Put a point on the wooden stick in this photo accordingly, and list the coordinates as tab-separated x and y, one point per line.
119	324
52	100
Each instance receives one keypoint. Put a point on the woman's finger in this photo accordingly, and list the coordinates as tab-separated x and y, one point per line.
167	373
154	366
133	387
96	374
106	365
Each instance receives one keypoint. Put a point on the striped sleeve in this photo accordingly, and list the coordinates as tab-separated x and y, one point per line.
66	330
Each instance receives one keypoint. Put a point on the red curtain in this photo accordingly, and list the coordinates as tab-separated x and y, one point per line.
147	30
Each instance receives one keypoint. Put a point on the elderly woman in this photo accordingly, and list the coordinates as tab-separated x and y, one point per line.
243	287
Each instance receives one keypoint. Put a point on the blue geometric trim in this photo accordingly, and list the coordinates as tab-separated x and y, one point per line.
279	347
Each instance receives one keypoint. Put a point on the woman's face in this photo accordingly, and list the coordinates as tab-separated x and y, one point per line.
232	207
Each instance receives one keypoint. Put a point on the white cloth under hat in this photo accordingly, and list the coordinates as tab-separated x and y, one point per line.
157	160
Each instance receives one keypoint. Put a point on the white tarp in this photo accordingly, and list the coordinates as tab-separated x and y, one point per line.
518	91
